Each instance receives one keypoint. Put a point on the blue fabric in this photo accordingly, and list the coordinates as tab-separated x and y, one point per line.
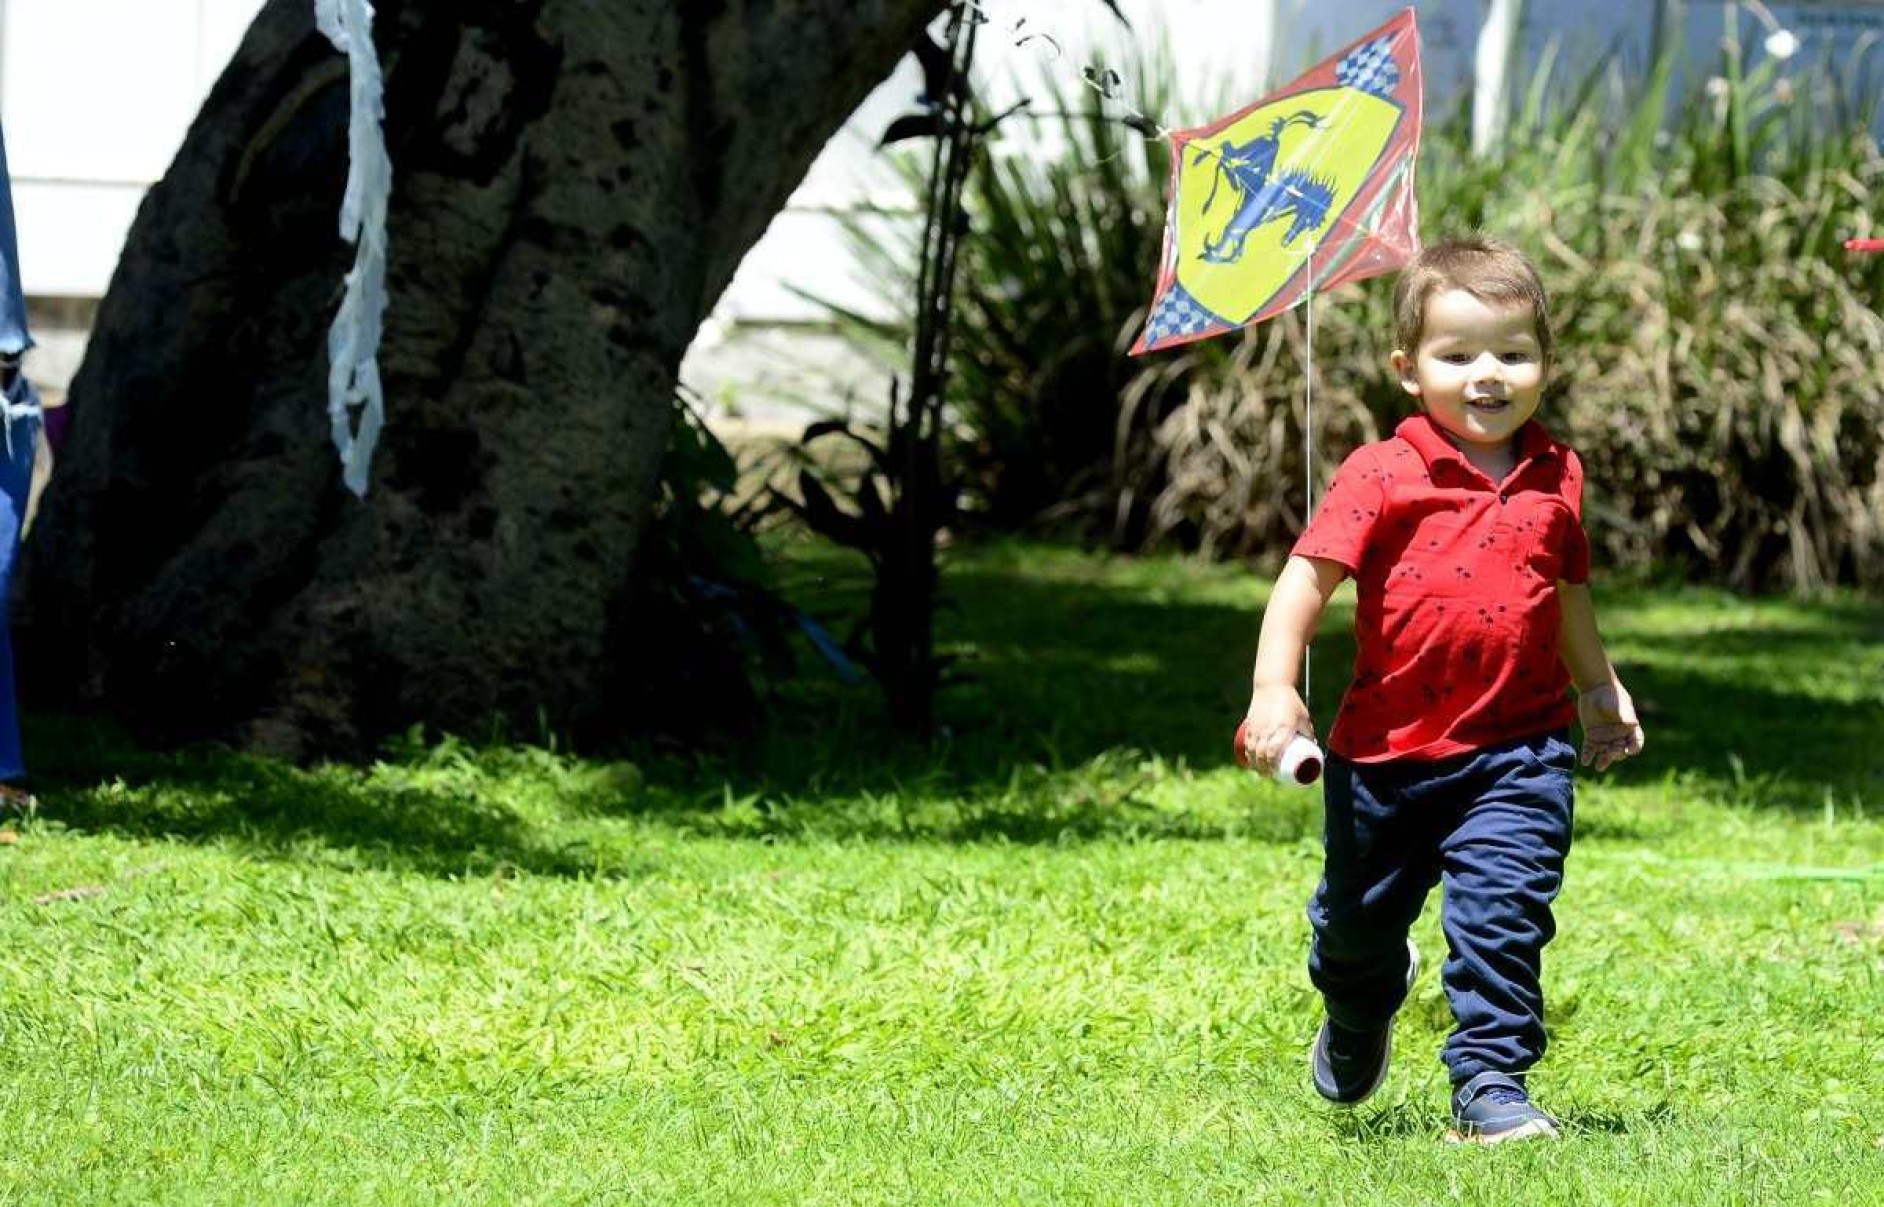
18	436
1493	828
17	440
14	338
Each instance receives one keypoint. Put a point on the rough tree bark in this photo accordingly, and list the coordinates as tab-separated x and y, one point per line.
574	184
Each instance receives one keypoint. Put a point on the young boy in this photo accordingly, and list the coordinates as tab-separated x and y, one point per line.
1449	760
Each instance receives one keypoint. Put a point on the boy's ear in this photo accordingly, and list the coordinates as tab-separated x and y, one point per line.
1402	366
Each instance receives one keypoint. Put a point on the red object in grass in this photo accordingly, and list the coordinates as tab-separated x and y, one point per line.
1864	245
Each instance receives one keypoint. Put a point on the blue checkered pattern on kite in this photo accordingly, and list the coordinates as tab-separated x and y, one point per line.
1371	68
1178	314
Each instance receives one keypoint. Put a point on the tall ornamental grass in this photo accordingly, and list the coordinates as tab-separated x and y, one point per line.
1724	366
1722	362
1064	209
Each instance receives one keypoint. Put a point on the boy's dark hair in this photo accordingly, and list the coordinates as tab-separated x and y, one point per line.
1491	270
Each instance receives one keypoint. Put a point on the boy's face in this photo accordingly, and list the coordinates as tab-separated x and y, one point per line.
1479	369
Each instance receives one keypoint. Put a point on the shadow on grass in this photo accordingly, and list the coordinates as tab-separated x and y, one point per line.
1067	672
1095	691
1615	1123
1399	1121
1055	675
443	815
1766	744
1405	1121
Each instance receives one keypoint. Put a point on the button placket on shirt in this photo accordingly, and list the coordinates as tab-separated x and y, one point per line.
1516	530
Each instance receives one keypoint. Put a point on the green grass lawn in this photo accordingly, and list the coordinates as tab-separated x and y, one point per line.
1057	959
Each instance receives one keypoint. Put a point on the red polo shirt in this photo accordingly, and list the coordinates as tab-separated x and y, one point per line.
1456	576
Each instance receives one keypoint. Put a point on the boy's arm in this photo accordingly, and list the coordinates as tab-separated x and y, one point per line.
1276	711
1611	731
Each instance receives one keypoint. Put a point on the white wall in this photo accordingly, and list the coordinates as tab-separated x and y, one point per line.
95	98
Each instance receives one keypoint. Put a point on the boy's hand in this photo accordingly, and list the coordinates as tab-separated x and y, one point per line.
1611	731
1275	715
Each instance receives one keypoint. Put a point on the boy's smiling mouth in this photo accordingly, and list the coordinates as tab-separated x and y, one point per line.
1490	405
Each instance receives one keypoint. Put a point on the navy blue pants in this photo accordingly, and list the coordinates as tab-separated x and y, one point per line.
17	437
16	477
1493	828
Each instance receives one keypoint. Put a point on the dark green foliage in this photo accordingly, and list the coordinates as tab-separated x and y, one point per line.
902	498
907	490
704	625
1066	230
896	502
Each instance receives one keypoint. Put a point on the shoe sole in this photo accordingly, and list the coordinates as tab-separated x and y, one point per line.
1535	1129
1386	1058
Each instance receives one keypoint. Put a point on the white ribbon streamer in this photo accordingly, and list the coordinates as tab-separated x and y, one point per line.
353	340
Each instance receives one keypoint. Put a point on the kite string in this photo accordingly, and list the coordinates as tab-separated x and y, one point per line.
1308	442
1111	87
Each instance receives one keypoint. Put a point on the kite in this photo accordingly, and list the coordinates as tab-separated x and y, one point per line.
1307	188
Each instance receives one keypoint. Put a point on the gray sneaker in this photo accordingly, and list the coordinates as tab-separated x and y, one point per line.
1347	1066
1493	1108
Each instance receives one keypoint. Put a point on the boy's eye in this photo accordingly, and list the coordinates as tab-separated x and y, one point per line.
1515	358
1455	358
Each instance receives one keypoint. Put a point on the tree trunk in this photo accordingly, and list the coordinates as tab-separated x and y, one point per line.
574	184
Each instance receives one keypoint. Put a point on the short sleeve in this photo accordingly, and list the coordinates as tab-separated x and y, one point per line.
1576	550
1346	517
1573	482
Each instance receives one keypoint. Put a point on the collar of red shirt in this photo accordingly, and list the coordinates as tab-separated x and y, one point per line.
1431	444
